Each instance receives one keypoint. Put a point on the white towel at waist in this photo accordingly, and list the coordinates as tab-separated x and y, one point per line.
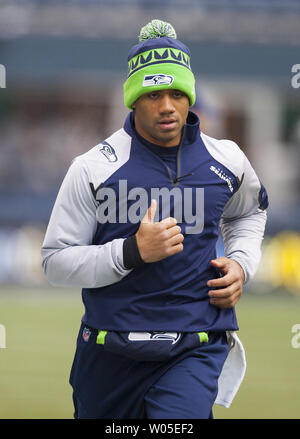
233	371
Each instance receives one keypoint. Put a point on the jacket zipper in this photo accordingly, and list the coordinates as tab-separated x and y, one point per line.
176	181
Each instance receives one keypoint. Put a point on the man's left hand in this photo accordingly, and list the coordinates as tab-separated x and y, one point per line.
230	285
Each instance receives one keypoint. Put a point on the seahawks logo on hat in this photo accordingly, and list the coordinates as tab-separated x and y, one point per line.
158	79
108	151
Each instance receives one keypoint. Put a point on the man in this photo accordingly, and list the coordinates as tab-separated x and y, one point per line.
135	224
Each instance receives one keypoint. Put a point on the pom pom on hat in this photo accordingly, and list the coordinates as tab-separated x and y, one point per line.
157	29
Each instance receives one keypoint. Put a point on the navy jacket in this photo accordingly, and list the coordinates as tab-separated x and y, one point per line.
207	184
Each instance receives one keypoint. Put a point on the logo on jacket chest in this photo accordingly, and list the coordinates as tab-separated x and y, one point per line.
223	176
108	152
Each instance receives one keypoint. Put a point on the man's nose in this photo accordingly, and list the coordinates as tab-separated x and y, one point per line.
166	104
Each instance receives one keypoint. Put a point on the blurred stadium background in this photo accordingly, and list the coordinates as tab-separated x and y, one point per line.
65	66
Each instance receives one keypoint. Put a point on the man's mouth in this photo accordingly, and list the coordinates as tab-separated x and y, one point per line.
167	124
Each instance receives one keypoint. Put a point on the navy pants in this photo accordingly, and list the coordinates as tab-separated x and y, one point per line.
110	385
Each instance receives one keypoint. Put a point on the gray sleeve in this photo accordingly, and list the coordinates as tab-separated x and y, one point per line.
68	256
243	222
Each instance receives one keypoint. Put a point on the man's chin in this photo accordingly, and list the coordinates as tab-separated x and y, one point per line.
167	141
169	138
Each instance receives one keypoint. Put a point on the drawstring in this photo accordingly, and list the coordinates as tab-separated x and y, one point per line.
183	176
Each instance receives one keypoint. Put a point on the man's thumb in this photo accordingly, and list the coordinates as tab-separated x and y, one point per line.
150	214
218	262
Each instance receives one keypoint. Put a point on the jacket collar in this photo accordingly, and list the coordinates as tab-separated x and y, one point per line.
191	128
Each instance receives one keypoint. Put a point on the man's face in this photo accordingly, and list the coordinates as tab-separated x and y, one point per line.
160	115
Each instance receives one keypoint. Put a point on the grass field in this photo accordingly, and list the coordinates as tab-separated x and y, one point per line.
41	329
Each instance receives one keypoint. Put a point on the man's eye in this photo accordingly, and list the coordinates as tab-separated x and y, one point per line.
153	95
177	94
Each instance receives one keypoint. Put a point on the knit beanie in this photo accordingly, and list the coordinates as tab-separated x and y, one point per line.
159	61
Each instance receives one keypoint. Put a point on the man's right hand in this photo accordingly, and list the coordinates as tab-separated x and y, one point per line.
158	240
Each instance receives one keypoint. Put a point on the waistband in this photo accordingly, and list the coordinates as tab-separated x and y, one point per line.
153	335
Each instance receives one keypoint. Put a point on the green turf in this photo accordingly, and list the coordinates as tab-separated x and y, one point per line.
34	367
41	329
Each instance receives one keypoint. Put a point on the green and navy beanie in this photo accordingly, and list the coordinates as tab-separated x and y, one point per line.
159	61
